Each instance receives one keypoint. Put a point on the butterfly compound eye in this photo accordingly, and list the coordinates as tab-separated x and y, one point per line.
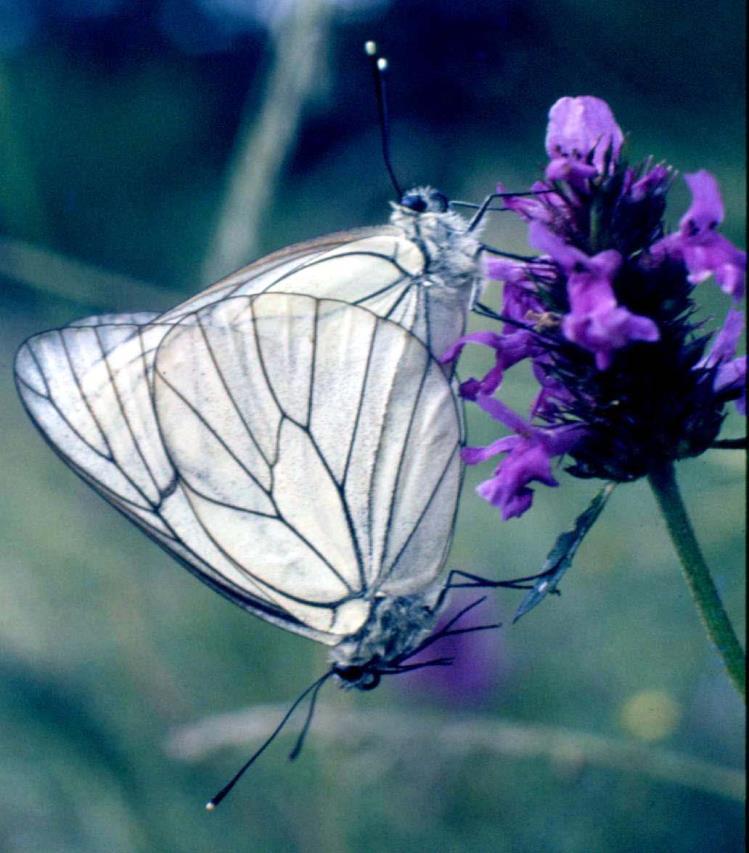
415	202
358	676
420	201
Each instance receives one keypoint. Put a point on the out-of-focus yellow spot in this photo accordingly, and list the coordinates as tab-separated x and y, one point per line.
650	715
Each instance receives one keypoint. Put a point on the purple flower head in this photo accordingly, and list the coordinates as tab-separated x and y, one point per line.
605	316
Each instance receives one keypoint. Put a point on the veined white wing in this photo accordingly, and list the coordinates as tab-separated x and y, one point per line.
420	271
298	454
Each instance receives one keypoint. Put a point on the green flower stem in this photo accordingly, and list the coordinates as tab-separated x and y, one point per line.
713	614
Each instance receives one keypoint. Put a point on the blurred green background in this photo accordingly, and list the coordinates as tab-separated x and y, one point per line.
601	722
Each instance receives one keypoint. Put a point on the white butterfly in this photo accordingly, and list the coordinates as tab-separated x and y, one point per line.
288	434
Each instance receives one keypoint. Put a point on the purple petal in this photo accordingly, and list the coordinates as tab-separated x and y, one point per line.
517	504
469	389
533	207
711	253
724	345
731	376
487	339
543	238
706	210
606	330
475	455
655	180
698	245
579	127
519	300
493	378
731	275
504	414
575	172
596	322
528	460
561	440
502	269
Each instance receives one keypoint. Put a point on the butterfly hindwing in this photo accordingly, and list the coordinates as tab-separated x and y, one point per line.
298	454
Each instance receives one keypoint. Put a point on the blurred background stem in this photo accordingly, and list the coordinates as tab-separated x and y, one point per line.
265	139
700	582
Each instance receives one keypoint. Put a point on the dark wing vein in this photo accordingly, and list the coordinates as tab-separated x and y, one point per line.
259	583
123	411
229	393
422	514
396	482
215	434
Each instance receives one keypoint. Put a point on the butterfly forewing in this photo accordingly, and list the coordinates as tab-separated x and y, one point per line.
379	269
85	386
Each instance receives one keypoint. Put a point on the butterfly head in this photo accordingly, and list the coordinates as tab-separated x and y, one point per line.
362	677
395	628
425	200
425	217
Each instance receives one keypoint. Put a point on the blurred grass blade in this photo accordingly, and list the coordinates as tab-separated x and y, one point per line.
398	730
63	277
561	555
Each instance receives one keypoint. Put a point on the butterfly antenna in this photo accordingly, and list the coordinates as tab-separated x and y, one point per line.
379	67
313	688
307	722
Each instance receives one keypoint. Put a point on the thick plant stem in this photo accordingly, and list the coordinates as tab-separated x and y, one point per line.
713	614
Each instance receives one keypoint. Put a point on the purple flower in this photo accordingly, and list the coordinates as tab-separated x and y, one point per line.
730	376
508	350
514	345
529	454
606	318
595	320
724	345
582	137
699	246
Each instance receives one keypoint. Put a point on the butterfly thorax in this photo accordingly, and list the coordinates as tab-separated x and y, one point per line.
450	250
396	626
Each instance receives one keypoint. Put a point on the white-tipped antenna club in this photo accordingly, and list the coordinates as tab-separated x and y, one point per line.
379	67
